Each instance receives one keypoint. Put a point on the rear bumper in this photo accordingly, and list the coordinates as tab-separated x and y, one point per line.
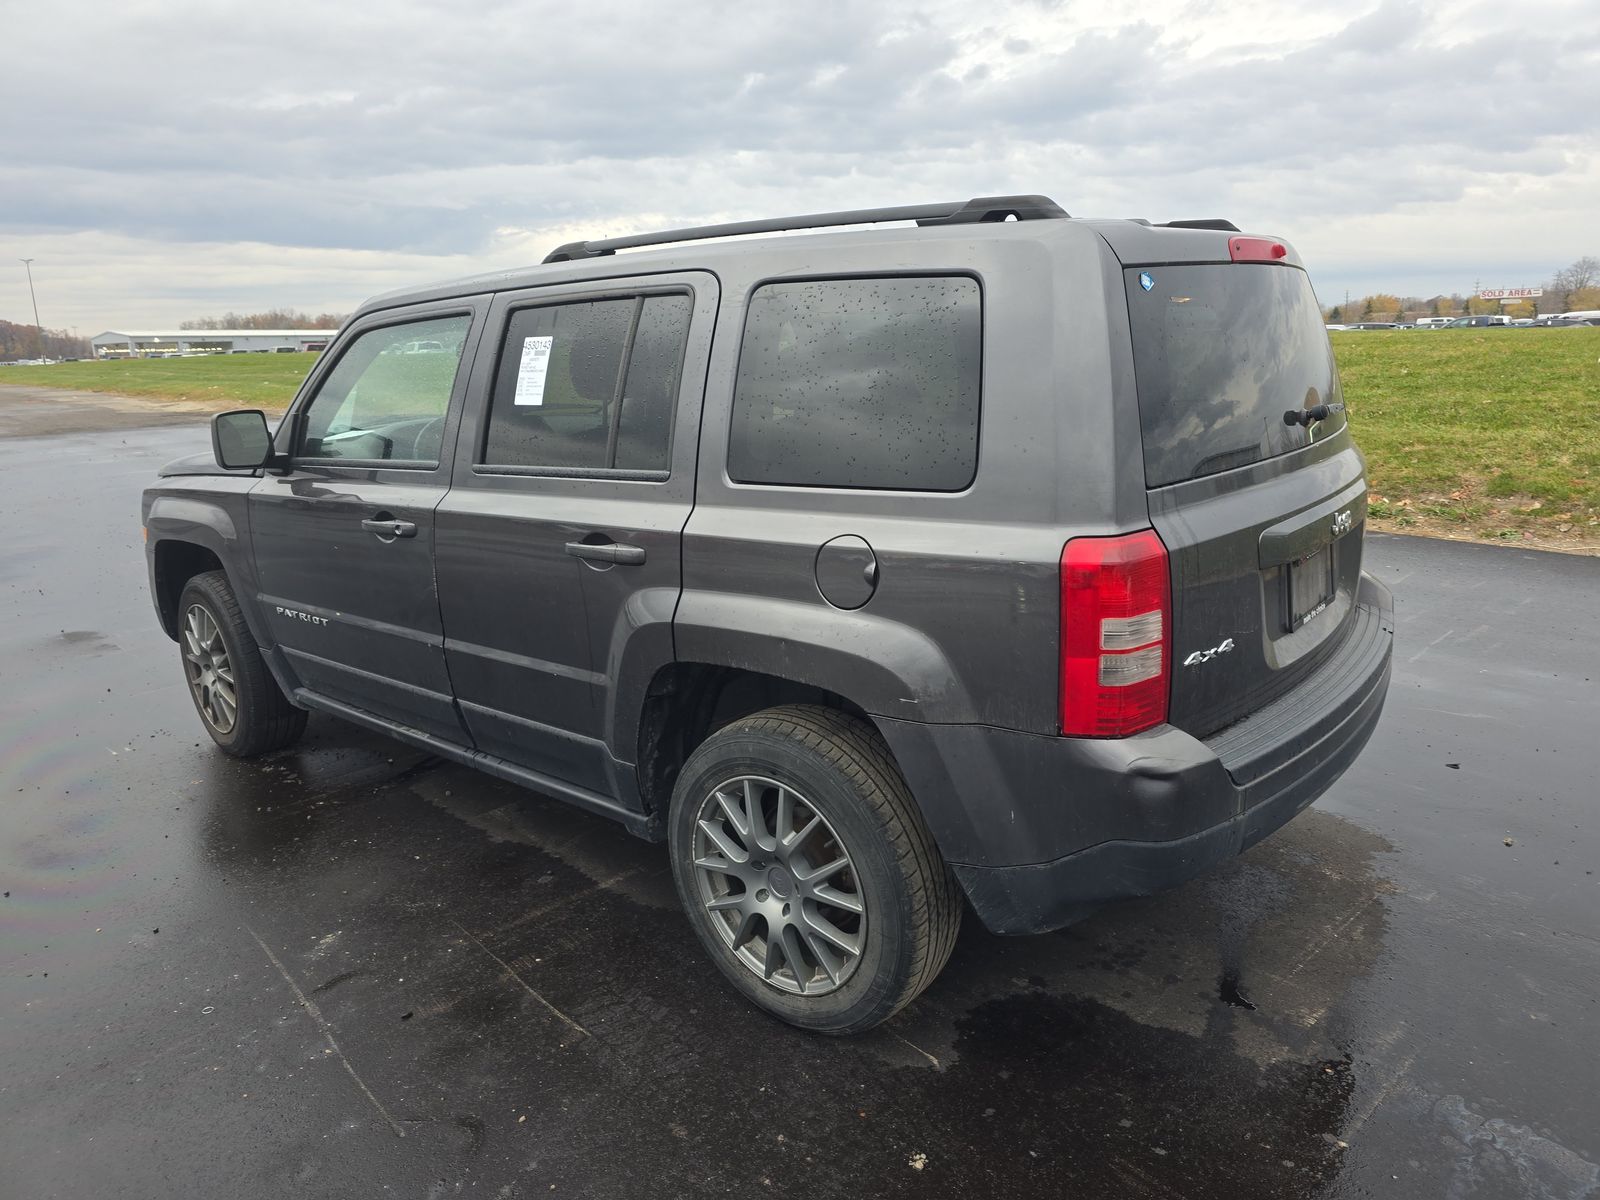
1040	831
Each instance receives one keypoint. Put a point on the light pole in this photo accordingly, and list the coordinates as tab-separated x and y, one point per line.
38	328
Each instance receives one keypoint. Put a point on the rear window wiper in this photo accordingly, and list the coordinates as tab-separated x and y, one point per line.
1310	416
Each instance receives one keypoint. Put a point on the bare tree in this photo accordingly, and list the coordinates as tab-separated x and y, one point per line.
29	341
276	318
1581	274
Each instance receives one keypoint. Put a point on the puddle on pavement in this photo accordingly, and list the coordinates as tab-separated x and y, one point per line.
1056	1093
1257	952
1229	993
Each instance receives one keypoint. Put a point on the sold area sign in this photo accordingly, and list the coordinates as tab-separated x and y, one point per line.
1510	293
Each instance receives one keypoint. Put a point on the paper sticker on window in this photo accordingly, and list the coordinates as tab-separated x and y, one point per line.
532	369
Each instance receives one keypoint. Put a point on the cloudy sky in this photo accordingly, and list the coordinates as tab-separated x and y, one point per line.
163	161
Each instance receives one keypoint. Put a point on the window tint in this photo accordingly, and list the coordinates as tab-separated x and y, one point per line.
387	395
1220	353
868	383
652	388
556	389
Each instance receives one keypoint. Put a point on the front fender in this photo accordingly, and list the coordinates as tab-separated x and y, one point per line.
215	519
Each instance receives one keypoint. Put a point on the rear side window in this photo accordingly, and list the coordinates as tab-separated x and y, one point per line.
860	383
589	385
1221	352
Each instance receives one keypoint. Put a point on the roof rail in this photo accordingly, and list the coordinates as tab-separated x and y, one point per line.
984	209
1203	223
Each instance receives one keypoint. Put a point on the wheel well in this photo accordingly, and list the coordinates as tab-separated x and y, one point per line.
176	564
688	702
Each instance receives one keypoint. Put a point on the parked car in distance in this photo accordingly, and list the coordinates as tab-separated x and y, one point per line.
1432	322
704	538
1480	322
1375	325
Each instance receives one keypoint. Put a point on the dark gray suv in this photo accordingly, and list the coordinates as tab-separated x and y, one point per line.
1002	559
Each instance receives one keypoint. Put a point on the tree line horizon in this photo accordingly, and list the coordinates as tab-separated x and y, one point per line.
30	341
1574	288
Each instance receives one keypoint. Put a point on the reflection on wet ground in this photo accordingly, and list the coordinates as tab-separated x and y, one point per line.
352	969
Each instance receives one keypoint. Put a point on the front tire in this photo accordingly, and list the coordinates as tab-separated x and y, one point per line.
807	871
238	701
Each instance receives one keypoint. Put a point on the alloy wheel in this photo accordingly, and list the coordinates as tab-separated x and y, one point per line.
779	885
208	669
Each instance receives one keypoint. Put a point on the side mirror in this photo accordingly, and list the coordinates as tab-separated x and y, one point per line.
240	439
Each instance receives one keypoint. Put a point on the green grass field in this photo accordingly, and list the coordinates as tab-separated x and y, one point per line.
229	380
1493	431
1486	432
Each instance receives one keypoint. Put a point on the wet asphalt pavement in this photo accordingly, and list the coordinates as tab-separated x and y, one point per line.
352	970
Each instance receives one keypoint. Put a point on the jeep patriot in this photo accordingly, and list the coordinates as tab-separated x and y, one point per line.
984	557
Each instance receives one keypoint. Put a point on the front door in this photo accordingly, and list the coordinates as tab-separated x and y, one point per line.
558	543
344	541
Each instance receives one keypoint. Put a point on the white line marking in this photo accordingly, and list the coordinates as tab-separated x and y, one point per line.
1371	1106
526	986
1329	937
918	1049
327	1032
1430	645
603	885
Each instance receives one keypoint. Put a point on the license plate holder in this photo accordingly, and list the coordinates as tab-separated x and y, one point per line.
1310	586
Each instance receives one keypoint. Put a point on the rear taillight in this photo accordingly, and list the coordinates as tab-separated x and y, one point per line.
1255	249
1116	635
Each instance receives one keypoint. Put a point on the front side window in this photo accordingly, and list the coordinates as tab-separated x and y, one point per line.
385	399
860	383
589	385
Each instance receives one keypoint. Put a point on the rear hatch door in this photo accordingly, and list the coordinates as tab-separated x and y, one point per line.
1262	518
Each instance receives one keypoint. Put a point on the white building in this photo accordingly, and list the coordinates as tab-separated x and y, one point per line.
161	343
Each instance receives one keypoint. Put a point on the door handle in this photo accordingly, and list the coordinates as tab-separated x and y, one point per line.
607	552
388	527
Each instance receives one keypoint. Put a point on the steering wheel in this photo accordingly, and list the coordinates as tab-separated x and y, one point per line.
422	437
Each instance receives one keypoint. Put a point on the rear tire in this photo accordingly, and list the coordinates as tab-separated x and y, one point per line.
236	697
834	909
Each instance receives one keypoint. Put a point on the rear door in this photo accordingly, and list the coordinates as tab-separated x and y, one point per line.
559	560
344	540
1262	514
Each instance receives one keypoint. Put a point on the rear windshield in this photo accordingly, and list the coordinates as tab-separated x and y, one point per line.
1221	352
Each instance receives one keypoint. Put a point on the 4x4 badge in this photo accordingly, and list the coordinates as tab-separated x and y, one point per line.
1342	522
1200	656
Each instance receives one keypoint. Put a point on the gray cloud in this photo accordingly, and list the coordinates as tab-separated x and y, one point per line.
424	129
